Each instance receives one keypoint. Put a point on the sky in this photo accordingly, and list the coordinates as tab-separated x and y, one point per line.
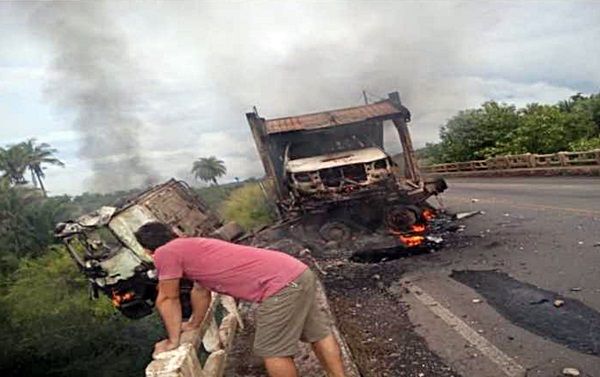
131	92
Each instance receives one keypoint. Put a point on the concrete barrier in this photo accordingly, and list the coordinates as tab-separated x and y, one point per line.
584	163
202	352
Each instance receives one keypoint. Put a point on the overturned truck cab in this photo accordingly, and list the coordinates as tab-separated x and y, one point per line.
334	181
103	245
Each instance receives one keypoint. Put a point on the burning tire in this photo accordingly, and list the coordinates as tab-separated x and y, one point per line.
335	231
401	218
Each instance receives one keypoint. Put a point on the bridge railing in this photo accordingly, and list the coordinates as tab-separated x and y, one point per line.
202	352
521	161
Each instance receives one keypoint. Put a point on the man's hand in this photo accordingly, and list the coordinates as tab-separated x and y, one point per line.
164	346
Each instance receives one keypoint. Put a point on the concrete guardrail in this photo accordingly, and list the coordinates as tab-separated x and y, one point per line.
560	160
203	352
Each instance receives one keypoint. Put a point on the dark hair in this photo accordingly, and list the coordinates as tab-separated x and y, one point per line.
154	234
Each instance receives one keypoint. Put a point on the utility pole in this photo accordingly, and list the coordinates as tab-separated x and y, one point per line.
365	97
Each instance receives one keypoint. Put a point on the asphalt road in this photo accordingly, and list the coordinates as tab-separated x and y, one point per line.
535	233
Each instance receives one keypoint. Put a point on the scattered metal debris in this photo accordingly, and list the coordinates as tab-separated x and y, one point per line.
571	372
434	239
466	215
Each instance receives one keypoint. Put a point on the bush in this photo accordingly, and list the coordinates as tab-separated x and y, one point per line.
49	326
248	207
585	144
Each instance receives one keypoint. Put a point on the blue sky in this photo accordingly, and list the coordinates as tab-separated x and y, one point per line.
190	70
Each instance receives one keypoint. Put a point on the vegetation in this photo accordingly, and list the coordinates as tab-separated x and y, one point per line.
48	324
15	160
248	206
498	129
208	169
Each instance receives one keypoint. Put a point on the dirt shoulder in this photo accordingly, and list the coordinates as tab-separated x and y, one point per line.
375	323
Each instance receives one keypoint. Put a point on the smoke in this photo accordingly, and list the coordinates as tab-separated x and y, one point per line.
288	58
211	61
94	78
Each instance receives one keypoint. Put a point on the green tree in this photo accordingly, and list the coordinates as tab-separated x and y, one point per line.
49	326
476	133
27	219
546	129
208	169
14	160
37	156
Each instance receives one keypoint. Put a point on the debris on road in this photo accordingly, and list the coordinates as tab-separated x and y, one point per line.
571	372
580	243
465	215
575	289
435	239
558	303
476	301
474	200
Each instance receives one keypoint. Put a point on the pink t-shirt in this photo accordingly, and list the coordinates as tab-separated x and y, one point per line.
244	272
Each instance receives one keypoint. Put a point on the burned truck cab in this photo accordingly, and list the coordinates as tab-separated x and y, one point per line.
332	177
335	175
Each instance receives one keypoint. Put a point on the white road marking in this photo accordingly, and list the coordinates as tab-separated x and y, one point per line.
509	366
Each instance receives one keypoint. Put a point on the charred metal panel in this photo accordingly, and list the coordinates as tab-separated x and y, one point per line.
358	114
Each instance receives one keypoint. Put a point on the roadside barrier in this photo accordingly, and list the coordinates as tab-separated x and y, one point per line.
558	160
202	352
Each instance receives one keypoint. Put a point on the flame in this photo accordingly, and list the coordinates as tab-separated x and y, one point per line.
412	240
418	228
428	214
118	299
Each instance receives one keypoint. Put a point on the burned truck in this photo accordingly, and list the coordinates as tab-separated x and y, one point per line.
104	247
334	182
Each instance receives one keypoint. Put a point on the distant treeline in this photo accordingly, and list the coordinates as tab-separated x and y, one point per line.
497	129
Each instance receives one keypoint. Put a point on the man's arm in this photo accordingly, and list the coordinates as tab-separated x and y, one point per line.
169	307
200	298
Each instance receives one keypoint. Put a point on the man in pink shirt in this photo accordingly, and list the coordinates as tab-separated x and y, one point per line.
284	287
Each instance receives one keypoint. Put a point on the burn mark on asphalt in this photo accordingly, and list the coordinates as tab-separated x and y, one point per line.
573	324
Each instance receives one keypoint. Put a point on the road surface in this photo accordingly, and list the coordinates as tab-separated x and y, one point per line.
538	241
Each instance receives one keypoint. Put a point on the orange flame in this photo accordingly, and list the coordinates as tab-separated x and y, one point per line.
411	241
118	299
418	228
428	214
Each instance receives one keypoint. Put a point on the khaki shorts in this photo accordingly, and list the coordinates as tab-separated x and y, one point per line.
290	315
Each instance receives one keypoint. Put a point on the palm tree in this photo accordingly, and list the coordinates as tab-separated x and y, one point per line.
39	154
13	163
208	169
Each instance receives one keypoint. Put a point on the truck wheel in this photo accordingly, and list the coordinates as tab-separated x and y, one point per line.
401	218
335	231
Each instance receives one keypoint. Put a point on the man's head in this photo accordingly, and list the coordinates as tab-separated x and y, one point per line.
153	235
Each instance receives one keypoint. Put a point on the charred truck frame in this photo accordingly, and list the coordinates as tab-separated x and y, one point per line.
331	175
104	247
